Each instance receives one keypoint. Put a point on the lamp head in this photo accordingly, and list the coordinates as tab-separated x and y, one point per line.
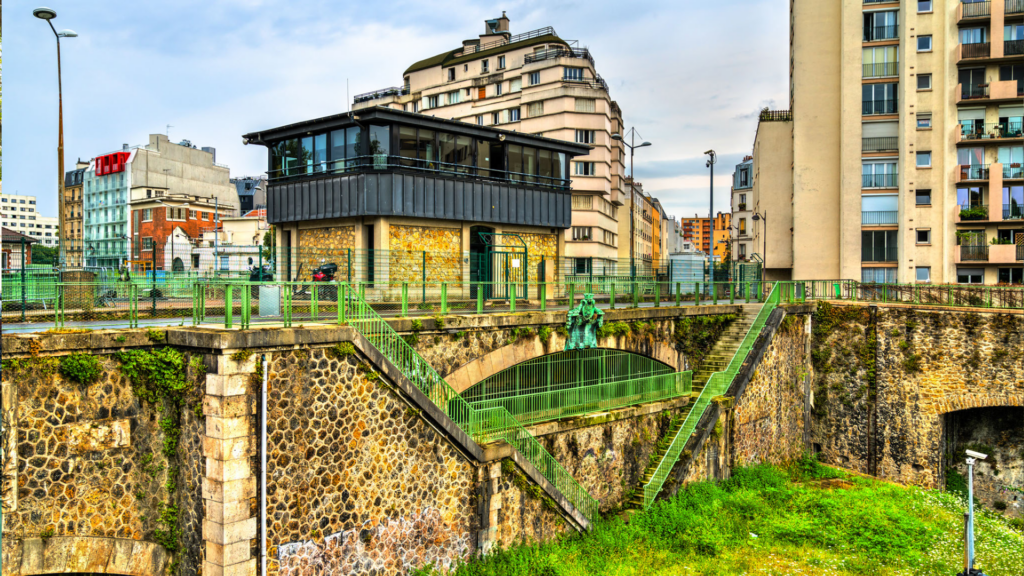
644	144
756	217
67	34
616	136
44	13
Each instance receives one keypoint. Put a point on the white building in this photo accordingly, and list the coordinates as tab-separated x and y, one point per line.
19	213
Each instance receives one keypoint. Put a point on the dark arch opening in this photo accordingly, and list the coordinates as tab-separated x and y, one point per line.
997	431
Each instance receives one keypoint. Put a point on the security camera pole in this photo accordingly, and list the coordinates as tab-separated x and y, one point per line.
972	457
712	159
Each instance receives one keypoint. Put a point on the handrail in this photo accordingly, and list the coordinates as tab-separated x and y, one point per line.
486	425
717	384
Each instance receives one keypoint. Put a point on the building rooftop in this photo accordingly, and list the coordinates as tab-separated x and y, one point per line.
462	53
9	235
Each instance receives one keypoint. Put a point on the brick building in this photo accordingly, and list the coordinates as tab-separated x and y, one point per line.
169	228
12	247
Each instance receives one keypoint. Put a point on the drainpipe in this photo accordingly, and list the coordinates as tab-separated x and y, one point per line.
263	469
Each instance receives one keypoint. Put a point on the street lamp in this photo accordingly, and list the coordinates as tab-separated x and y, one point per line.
49	14
712	160
972	457
758	217
632	145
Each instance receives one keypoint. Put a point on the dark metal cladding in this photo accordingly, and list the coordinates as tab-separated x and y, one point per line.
416	195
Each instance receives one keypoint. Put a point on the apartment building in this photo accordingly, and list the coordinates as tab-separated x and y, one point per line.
540	84
114	181
637	222
18	212
922	182
721	247
742	205
697	231
73	218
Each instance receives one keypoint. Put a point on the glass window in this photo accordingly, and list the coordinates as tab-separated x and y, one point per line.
446	146
1013	202
585	136
879	98
544	167
534	78
516	84
924	236
970	276
501	62
880	25
515	161
924	121
924	159
924	5
513	115
407	145
924	274
485	66
307	154
924	81
924	197
880	61
464	154
558	167
585	169
1011	275
586	105
497	88
320	153
224	262
572	73
451	74
878	275
535	109
924	43
973	35
530	163
967	196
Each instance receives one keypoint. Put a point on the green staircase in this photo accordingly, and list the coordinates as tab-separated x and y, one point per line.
714	378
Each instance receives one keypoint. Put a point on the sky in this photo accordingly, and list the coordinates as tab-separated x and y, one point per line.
689	75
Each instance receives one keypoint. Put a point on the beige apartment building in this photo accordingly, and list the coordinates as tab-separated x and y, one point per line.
742	204
640	209
921	182
539	84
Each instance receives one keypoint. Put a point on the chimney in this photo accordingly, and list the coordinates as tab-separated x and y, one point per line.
124	146
503	22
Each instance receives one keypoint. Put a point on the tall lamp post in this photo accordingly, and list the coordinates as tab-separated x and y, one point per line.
632	145
764	257
49	14
969	570
712	160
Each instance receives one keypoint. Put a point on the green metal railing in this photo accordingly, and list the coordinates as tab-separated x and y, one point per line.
717	384
482	425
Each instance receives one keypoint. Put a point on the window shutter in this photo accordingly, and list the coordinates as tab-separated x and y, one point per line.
586	105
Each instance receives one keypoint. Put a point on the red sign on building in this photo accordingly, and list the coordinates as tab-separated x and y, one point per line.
111	163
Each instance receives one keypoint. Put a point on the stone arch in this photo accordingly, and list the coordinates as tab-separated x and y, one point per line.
968	401
497	360
84	554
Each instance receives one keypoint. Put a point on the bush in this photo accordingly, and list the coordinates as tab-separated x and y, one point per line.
82	368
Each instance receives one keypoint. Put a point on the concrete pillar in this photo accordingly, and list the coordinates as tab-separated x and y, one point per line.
229	484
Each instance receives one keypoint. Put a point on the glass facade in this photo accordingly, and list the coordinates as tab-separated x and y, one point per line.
105	209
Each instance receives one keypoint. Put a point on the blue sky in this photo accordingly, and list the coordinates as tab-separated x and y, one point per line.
689	75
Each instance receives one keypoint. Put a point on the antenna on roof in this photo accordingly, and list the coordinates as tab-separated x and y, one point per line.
169	132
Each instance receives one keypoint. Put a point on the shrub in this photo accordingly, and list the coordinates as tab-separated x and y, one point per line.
81	367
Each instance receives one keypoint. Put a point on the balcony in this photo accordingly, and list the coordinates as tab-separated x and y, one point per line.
559	52
879	218
1013	171
972	172
974	11
969	213
1013	47
998	91
976	50
878	253
972	254
879	180
881	1
382	93
1013	7
973	91
979	131
1013	212
881	70
1020	252
880	33
876	107
880	144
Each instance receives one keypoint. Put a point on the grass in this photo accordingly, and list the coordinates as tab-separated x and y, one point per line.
804	519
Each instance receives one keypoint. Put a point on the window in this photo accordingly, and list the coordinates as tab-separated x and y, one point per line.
880	25
535	109
515	84
431	102
176	213
924	5
496	118
880	174
147	215
581	233
585	136
924	121
924	81
924	43
924	197
224	262
572	74
878	245
924	236
879	98
149	193
879	275
534	78
497	89
480	120
743	227
147	243
485	66
585	169
743	199
1011	275
924	274
513	113
970	276
451	74
586	105
455	97
501	62
924	159
880	61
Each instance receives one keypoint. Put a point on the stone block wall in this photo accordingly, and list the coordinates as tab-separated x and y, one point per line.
330	243
413	247
360	483
542	246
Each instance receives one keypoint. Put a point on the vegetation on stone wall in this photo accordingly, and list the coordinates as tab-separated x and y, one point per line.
696	335
842	343
802	519
81	367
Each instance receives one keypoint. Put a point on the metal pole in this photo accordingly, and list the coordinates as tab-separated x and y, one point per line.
970	515
23	264
60	156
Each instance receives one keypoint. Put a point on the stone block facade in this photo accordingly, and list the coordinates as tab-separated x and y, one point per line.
418	252
332	244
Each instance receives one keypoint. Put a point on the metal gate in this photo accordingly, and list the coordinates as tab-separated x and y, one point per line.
504	263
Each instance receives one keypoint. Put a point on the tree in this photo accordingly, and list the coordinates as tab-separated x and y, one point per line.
44	255
269	240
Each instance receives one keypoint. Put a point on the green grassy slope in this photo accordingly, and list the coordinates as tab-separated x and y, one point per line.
807	519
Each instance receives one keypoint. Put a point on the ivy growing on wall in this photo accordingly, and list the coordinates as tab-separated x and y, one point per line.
696	335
